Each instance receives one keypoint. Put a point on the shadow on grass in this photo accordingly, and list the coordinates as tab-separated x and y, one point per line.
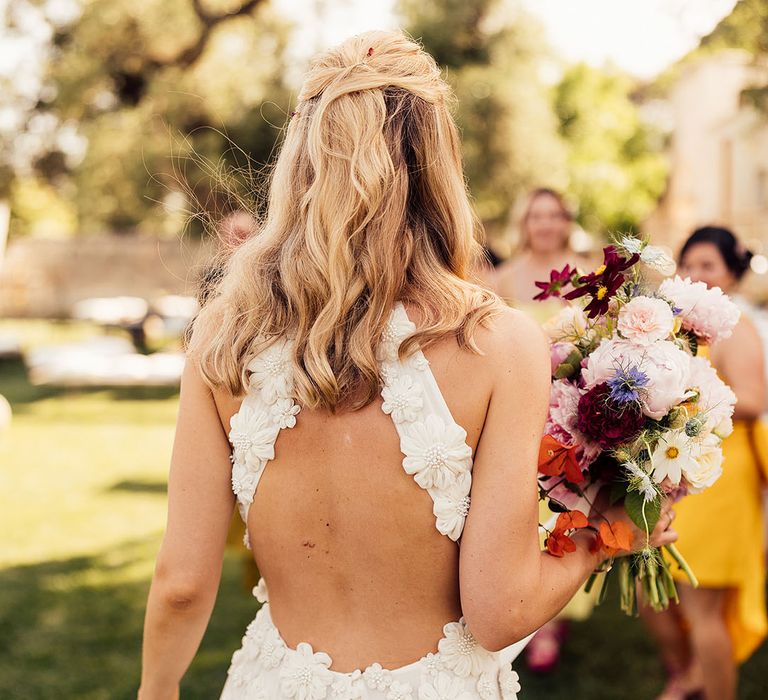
17	388
610	656
72	628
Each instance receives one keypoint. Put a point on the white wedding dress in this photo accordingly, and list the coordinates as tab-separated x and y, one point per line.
440	461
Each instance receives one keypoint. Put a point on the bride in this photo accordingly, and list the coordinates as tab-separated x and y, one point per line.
349	390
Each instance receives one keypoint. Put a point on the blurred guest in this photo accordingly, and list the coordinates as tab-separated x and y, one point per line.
545	229
486	268
230	232
718	625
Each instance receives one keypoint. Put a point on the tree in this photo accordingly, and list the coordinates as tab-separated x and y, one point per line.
151	83
745	28
616	173
491	54
28	129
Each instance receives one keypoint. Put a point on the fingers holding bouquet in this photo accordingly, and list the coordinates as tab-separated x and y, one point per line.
626	537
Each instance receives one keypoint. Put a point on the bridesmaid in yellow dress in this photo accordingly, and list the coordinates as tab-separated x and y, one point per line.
545	229
717	626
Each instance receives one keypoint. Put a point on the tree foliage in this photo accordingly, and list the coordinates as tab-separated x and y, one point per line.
616	172
149	83
491	56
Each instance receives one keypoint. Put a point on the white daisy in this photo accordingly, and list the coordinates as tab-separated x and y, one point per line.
418	361
389	372
245	480
488	686
460	651
284	412
509	683
435	452
306	675
349	686
451	506
252	435
260	591
377	678
673	454
445	686
271	371
272	648
403	399
432	664
400	691
398	328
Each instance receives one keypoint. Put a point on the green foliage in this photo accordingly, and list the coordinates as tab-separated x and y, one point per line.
147	97
615	173
644	514
746	27
491	57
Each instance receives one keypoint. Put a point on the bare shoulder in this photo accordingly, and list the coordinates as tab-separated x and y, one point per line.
512	339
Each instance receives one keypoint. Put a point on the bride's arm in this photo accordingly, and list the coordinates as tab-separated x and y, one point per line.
188	568
509	587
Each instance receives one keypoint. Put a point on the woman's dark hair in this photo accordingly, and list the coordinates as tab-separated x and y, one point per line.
735	255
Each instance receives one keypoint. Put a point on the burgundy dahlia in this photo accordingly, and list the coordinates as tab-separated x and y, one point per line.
607	422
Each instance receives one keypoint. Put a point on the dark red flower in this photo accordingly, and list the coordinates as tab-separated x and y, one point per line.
607	422
604	282
557	280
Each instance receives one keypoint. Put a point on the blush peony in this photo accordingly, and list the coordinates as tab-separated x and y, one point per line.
665	365
646	320
707	313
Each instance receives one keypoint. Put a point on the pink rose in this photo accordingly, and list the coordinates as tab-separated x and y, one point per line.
646	320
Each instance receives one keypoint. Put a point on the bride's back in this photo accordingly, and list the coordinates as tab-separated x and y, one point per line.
347	540
351	454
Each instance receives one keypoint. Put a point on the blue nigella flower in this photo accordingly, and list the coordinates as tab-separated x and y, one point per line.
626	383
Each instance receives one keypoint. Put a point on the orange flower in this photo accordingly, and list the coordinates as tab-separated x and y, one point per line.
615	536
558	543
555	458
571	520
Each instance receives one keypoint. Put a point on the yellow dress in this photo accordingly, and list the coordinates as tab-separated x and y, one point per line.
721	537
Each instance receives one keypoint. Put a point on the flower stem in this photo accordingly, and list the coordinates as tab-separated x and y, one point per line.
675	554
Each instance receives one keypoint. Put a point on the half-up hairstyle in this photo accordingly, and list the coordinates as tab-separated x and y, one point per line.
367	206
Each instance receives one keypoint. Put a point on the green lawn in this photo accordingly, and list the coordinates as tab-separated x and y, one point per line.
82	508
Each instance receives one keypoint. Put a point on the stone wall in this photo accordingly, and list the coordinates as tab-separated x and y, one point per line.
44	278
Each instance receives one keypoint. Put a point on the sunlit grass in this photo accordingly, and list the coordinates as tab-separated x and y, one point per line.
82	509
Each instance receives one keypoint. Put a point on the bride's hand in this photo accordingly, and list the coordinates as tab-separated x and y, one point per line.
661	535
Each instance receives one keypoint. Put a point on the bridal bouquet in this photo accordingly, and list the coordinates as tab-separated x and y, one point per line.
635	410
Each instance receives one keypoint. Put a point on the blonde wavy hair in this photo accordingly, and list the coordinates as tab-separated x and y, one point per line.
367	206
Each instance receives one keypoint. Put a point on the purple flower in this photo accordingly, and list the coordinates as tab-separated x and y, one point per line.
626	384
